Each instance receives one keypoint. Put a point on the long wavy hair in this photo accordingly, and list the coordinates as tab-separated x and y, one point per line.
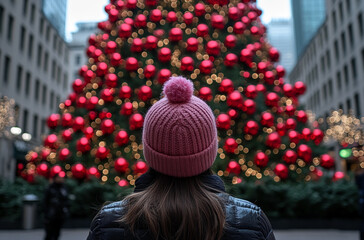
176	208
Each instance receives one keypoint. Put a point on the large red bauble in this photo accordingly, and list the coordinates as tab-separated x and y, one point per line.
163	76
302	116
125	92
254	30
145	93
281	171
294	136
56	169
251	91
235	99
206	66
78	85
192	44
126	109
288	90
226	86
291	123
317	136
67	135
200	9
131	4
239	27
140	167
92	115
53	120
131	64
327	161
304	152
272	99
96	55
251	127
261	88
121	165
164	54
104	114
233	113
230	41
171	17
64	154
121	138
273	54
140	21
338	175
83	145
102	152
299	88
217	21
111	80
223	121
107	95
202	30
149	71
262	67
107	126
88	76
230	60
230	145
90	51
281	129
213	48
93	172
273	140
234	13
89	132
187	64
175	34
267	119
42	169
269	77
125	30
82	70
45	153
306	134
155	15
233	167
81	102
280	71
249	106
78	124
151	3
246	56
290	110
252	15
205	93
92	102
78	171
33	156
137	45
290	156
110	47
136	121
261	159
51	141
188	18
151	42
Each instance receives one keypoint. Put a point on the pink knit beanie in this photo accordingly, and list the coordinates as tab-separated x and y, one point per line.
179	134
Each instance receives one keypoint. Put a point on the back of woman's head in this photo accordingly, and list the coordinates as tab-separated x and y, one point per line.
179	143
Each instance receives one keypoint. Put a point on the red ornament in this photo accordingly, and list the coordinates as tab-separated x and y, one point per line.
230	41
42	169
267	119
202	30
206	67
171	17
83	70
131	64
187	64
140	21
233	167
83	145
140	167
223	121
67	135
261	159
102	152
302	116
131	4
93	172
249	106
121	138
163	76
290	156
235	99
192	44
145	93
230	60
274	54
200	9
273	140
299	88
338	176
317	136
81	102
53	120
272	99
78	86
51	141
45	153
251	127
234	13
254	30
281	171
290	110
164	54
327	161
239	27
151	42
92	102
280	71
125	92
294	136
226	86
123	183
217	21
269	77
291	123
149	71
107	126
155	15
78	171
205	93
33	156
288	90
56	169
107	95
306	134
64	154
151	3
213	48
188	18
137	45
175	34
281	129
88	76
261	88
304	152
126	109
111	80
251	91
89	132
78	124
121	165
136	121
246	56
110	47
125	30
230	145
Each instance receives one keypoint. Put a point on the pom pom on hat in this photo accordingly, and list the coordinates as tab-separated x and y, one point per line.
178	89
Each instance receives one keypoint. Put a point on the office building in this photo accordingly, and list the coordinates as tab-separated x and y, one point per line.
55	11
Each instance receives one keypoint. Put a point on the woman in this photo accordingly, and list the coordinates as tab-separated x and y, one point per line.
179	198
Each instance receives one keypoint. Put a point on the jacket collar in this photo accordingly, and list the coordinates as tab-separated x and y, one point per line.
213	181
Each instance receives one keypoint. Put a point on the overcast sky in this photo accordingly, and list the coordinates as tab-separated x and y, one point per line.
93	10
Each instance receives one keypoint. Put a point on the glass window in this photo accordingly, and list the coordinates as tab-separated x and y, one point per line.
39	55
334	23
36	90
78	59
25	7
351	35
328	60
331	88
53	71
41	25
48	32
343	42
65	81
19	77
27	83
353	69
338	80
45	66
341	12
7	65
348	6
51	102
32	13
357	105
1	19
25	120
44	94
30	46
348	106
10	27
35	126
22	38
336	46
346	75
360	24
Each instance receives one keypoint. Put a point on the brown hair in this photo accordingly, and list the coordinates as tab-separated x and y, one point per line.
176	208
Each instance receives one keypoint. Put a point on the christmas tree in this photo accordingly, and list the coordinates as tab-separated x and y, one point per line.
221	46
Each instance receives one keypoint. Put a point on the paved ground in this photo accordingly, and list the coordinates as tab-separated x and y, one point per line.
77	234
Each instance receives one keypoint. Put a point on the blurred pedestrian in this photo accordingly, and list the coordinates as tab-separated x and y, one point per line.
359	179
55	207
179	197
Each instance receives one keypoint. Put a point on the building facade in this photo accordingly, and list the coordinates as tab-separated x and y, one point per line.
55	11
34	61
280	36
308	15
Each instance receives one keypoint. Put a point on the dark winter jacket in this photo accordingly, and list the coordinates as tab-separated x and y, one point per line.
56	203
244	219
